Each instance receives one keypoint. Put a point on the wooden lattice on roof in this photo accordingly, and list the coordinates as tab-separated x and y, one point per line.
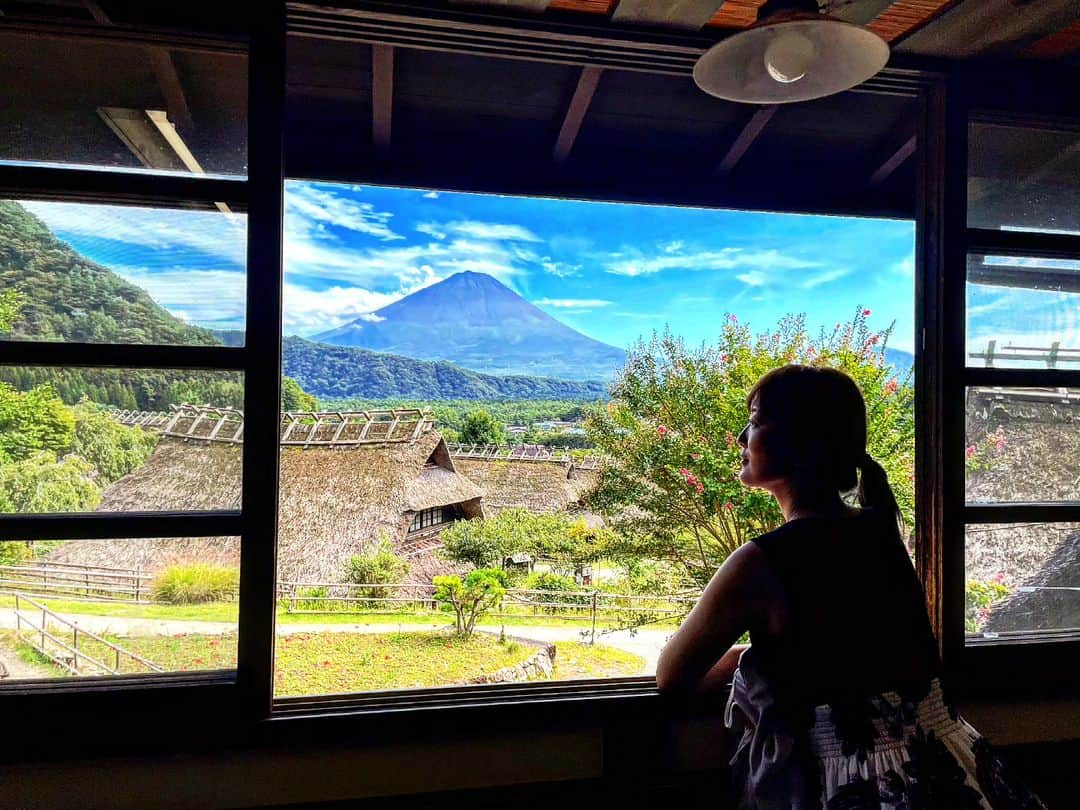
521	452
146	419
298	428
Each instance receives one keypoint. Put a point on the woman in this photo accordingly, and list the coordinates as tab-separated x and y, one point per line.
837	700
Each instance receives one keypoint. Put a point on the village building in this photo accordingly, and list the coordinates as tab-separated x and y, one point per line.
348	480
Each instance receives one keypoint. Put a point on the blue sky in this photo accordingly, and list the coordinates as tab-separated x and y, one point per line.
612	271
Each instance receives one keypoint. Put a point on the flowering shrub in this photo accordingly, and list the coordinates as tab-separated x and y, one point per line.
980	597
672	488
983	454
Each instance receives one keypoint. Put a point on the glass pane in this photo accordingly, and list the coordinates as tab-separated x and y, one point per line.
1022	444
1022	578
118	274
457	369
110	105
119	440
1023	178
100	608
1023	312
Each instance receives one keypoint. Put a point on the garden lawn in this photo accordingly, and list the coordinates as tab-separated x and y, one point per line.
574	661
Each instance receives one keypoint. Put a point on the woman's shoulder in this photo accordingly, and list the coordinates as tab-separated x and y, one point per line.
805	530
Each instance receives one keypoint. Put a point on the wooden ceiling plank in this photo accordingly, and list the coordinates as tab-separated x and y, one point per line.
904	17
161	61
894	162
535	6
688	15
575	112
382	95
736	14
583	6
1056	45
745	139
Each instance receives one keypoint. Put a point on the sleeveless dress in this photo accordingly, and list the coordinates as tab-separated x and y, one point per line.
843	710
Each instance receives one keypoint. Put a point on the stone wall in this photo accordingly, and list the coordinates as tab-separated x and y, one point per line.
540	664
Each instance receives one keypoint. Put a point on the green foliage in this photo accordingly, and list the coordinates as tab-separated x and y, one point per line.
314	598
481	592
672	491
979	598
378	566
480	427
11	303
33	421
195	584
568	592
558	537
113	449
40	483
983	452
14	552
557	438
342	372
648	578
295	398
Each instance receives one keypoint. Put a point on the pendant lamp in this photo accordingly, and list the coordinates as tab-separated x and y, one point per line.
794	53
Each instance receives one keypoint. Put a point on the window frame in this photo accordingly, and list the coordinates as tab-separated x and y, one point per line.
241	710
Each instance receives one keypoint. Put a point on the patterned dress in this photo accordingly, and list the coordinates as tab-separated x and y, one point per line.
810	735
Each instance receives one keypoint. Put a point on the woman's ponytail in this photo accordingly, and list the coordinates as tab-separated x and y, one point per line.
874	490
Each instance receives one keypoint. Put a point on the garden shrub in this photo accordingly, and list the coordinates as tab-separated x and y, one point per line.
14	552
195	584
482	590
312	598
377	566
569	592
979	598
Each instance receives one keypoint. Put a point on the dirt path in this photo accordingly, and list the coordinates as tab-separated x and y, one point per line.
17	669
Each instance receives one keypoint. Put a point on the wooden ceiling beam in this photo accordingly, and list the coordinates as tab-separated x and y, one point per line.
894	161
689	15
575	112
905	17
97	12
745	139
382	95
161	61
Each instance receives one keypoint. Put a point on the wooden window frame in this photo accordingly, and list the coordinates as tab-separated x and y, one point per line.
240	710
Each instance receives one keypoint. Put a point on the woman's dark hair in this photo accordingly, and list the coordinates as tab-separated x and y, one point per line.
821	415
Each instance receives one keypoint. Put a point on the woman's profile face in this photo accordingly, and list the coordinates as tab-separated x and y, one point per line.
760	452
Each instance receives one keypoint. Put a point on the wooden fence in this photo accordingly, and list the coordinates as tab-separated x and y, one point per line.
50	638
81	582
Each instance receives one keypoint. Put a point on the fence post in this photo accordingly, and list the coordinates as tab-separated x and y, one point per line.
75	644
592	639
117	661
138	581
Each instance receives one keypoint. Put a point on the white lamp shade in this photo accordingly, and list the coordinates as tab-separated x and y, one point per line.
793	60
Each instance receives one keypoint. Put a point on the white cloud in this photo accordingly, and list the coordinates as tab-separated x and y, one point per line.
371	317
220	236
753	278
198	296
723	259
431	195
673	247
308	311
492	230
431	229
824	278
318	205
573	303
904	267
559	270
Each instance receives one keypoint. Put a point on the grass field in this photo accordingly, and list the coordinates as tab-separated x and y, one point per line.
327	663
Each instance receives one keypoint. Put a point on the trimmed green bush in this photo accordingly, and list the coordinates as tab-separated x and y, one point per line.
195	584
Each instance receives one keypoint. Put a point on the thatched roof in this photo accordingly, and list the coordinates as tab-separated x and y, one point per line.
539	486
1047	600
335	501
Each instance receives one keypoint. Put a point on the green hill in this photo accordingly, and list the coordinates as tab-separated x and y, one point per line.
341	372
68	297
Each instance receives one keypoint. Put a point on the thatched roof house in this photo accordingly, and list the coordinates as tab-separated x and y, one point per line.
347	480
543	482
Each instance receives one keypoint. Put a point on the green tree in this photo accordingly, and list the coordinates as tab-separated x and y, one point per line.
40	483
113	449
31	421
671	487
11	303
14	552
480	427
378	566
486	543
295	398
482	591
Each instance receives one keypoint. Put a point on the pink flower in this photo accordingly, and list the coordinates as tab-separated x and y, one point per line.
999	445
729	506
891	387
811	351
874	339
733	318
723	358
699	487
971	451
999	578
661	431
685	473
729	438
696	456
866	312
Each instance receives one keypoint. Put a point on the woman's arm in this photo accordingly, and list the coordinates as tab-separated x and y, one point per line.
700	653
